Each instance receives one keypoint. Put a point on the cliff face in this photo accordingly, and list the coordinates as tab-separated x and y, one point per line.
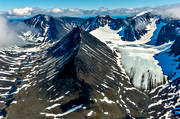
167	33
176	47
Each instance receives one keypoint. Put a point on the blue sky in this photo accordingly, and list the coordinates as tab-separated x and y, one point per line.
82	4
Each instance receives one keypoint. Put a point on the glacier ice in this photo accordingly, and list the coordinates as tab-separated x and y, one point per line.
137	57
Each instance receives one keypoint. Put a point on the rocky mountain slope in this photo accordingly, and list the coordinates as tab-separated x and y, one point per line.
92	85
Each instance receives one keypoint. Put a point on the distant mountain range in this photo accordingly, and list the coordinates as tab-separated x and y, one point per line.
92	68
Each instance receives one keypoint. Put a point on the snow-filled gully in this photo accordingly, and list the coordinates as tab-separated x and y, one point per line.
137	58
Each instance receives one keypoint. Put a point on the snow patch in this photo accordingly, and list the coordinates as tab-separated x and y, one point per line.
62	114
53	106
107	100
90	113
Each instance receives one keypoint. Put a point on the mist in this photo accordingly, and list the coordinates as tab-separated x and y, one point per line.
8	36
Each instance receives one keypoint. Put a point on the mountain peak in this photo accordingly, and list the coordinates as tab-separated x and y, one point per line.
144	13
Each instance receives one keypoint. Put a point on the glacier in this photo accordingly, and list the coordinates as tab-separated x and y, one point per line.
137	57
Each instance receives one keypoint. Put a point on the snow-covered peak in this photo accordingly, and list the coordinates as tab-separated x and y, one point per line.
141	13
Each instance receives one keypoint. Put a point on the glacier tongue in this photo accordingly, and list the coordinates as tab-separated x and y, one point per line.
137	57
141	66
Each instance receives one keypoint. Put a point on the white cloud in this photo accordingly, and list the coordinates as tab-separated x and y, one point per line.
102	9
57	10
77	11
169	11
21	11
7	35
165	11
28	11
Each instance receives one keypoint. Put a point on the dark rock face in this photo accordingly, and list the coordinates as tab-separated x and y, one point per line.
137	26
176	47
128	34
100	21
166	34
169	32
68	44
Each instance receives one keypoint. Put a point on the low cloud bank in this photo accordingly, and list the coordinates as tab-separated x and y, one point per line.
28	12
165	11
8	36
172	11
